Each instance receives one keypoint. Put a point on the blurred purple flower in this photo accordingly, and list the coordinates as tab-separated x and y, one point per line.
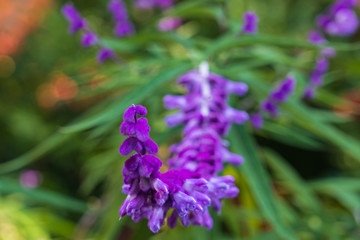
75	20
105	54
123	26
89	39
316	37
118	10
280	94
250	22
30	179
309	92
257	120
341	19
169	23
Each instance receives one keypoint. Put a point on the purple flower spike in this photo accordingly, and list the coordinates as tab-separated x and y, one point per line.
89	39
105	54
250	21
340	20
191	185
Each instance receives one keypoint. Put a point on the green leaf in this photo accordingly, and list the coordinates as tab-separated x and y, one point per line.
292	179
41	149
243	143
43	196
228	42
302	116
345	190
291	135
116	109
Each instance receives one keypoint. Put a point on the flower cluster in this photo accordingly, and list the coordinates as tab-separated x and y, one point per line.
250	21
271	105
123	27
191	185
146	4
341	20
89	37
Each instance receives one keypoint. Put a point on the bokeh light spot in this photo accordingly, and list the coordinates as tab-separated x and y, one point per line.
7	66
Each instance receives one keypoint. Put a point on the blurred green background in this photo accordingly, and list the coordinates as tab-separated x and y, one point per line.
61	174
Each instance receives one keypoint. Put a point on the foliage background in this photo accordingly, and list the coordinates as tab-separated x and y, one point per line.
60	114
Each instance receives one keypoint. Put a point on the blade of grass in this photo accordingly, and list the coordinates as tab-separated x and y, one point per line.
243	143
44	196
115	110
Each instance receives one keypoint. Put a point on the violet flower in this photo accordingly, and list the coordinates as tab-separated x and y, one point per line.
280	94
191	185
75	20
256	120
30	178
123	26
89	39
316	77
341	19
250	21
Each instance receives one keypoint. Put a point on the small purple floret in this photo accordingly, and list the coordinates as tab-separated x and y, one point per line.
123	26
280	94
118	9
75	20
257	120
250	22
89	39
105	54
341	19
